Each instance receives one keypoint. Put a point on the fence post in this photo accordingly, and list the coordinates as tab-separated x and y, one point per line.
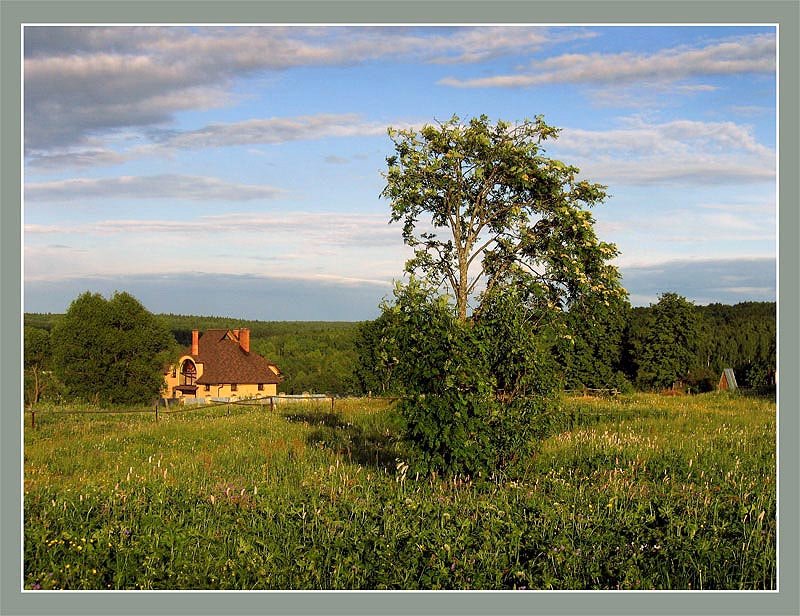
271	404
156	410
33	419
332	402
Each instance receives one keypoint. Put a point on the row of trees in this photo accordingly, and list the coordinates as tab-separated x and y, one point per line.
346	357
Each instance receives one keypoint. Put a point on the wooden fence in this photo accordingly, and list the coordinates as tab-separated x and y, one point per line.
156	410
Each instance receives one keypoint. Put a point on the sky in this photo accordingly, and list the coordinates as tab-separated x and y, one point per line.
237	171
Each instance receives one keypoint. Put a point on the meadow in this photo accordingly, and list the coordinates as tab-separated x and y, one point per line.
639	491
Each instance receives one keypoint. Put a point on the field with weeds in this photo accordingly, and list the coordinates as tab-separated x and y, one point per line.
634	492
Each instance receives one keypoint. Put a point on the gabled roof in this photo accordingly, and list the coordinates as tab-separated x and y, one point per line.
730	378
224	361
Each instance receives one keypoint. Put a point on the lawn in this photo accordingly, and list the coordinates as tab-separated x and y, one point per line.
634	492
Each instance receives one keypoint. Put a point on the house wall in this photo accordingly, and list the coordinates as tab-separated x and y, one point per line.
248	390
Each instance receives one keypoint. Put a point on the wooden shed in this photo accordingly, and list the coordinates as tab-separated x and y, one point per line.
727	382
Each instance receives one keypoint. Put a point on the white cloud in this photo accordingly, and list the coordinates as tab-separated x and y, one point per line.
166	186
299	228
76	159
341	247
84	81
751	54
273	130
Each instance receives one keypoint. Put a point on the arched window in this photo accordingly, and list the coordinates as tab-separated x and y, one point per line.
189	372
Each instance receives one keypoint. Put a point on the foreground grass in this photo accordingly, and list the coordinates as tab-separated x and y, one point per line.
635	492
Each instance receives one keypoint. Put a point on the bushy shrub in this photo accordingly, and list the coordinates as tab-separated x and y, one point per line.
472	389
761	377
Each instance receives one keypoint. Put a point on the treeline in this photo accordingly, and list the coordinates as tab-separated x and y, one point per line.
742	336
672	342
314	356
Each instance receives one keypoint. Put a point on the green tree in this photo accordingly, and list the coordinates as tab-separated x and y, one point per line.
111	350
591	354
482	201
376	357
669	340
37	356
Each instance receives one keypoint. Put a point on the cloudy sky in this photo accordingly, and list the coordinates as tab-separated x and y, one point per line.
236	171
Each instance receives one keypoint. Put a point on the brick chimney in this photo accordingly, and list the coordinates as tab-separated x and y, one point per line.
195	342
244	340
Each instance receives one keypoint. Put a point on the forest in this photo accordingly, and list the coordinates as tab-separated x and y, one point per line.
625	350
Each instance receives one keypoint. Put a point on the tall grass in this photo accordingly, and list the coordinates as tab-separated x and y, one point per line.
633	492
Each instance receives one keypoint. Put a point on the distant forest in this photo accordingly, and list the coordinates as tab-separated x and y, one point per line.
332	356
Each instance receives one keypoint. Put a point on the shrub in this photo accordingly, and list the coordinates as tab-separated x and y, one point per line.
472	389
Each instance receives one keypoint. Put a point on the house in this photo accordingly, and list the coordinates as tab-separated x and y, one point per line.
220	365
727	382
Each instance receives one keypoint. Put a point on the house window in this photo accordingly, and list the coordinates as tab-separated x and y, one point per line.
174	372
234	387
189	372
207	388
261	387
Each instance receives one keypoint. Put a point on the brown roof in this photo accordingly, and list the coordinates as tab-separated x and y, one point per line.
224	361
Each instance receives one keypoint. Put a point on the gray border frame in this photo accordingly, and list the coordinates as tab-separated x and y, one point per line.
786	13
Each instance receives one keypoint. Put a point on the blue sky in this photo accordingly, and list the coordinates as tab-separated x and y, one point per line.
236	171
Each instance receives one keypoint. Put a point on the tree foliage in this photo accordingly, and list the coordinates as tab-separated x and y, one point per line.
518	333
667	347
481	202
591	354
374	371
112	350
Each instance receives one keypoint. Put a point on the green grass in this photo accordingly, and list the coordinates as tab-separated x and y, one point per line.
634	492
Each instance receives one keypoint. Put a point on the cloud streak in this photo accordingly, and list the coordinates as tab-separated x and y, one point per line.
260	297
303	228
272	130
166	186
681	151
752	54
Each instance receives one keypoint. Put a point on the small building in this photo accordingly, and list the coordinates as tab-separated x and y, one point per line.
727	382
219	364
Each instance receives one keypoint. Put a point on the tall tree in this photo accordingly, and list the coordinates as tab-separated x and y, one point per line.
669	341
111	350
591	353
493	221
482	201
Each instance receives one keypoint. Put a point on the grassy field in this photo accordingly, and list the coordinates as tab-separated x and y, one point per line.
636	492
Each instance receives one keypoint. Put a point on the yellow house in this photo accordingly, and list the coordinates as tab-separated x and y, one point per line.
219	364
